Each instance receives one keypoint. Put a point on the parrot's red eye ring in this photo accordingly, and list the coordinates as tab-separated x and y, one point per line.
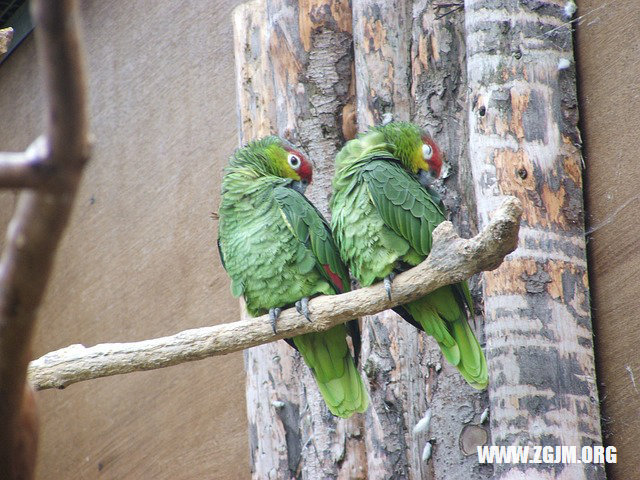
294	161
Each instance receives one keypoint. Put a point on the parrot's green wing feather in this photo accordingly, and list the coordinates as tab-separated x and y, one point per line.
237	288
402	203
313	232
326	353
278	250
412	213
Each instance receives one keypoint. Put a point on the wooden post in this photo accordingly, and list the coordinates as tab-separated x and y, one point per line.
409	66
295	59
273	389
524	141
393	355
439	98
310	48
521	123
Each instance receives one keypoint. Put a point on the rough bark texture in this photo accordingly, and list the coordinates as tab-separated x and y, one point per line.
392	350
310	48
409	66
306	48
6	35
37	226
524	142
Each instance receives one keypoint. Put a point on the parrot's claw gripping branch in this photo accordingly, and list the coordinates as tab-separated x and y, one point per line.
302	307
452	260
274	313
388	280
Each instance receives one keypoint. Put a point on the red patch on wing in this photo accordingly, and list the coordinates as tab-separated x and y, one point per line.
337	281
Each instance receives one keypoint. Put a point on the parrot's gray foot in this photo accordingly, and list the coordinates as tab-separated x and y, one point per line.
387	283
274	313
302	306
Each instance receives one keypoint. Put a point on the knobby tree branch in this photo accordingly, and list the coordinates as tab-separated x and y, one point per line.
40	216
29	169
452	259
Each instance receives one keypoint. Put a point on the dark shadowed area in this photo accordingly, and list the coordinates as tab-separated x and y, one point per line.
138	259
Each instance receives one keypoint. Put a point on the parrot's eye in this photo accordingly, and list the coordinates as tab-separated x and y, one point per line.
427	151
294	161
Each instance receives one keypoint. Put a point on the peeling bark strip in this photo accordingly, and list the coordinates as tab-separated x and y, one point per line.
524	141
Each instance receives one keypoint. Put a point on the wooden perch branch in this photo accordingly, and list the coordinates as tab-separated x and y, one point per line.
451	260
40	217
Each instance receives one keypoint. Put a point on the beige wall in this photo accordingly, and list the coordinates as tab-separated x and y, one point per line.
609	84
138	259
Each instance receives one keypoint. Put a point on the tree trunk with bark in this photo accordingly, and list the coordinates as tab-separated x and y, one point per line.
302	54
439	102
524	141
409	67
273	390
393	356
517	111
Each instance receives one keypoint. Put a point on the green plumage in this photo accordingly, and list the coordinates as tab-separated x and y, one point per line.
276	248
383	219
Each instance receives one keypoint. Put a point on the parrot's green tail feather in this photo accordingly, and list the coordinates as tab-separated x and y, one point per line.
345	395
334	369
473	365
443	319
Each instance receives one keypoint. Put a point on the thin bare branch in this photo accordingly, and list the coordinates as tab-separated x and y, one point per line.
451	260
40	218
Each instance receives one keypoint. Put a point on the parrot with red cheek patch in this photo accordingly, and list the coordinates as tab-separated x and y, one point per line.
383	216
279	252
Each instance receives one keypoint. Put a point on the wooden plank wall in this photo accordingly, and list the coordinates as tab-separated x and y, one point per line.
608	49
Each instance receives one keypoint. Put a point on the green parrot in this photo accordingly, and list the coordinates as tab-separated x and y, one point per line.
278	250
383	216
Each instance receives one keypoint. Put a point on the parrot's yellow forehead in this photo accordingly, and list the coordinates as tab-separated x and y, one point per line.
278	157
417	162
